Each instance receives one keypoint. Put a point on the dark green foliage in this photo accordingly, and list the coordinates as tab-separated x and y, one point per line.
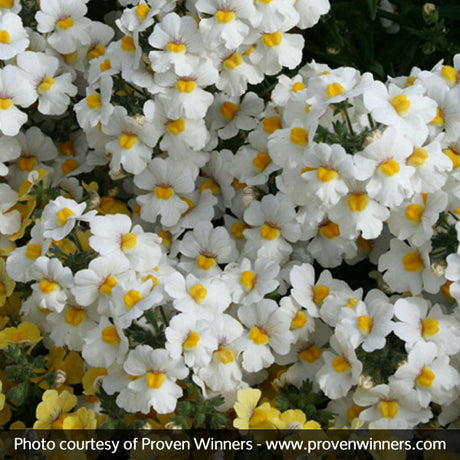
312	404
201	411
351	34
381	364
153	336
444	242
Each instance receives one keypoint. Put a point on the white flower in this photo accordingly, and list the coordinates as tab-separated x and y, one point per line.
341	368
13	36
60	216
408	268
52	285
65	22
105	344
389	408
156	387
419	322
54	92
191	338
167	180
429	372
268	330
10	220
15	89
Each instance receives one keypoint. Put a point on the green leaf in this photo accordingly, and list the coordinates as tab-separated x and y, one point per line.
372	6
18	394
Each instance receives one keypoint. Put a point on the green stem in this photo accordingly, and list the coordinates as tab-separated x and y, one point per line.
350	128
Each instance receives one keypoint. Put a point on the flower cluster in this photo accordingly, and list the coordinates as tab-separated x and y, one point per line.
183	201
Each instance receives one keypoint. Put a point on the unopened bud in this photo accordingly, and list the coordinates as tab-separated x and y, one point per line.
33	177
333	50
249	195
429	13
139	119
61	377
372	137
365	382
438	267
118	175
173	426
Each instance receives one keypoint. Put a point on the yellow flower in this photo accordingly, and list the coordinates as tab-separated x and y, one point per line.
6	284
91	381
53	409
295	419
251	416
82	419
2	397
25	333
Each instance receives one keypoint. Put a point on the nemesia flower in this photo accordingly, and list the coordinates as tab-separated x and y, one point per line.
13	36
53	409
249	414
10	220
156	387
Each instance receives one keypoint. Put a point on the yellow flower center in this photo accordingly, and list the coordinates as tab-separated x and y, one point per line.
131	298
389	168
26	163
326	174
67	148
454	156
205	262
409	81
233	61
365	324
271	124
65	23
438	120
352	301
258	335
48	286
298	87
106	65
261	161
413	262
62	216
224	355
224	16
176	47
185	86
257	418
271	40
238	228
127	140
210	184
110	335
334	89
191	341
128	241
269	232
320	292
96	51
198	293
299	137
33	251
7	4
357	202
354	411
425	378
5	103
248	280
330	230
175	127
310	354
414	213
299	320
109	283
400	103
75	316
45	85
5	37
127	44
142	11
388	408
450	74
430	327
229	110
155	379
69	165
418	157
341	364
93	101
164	193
